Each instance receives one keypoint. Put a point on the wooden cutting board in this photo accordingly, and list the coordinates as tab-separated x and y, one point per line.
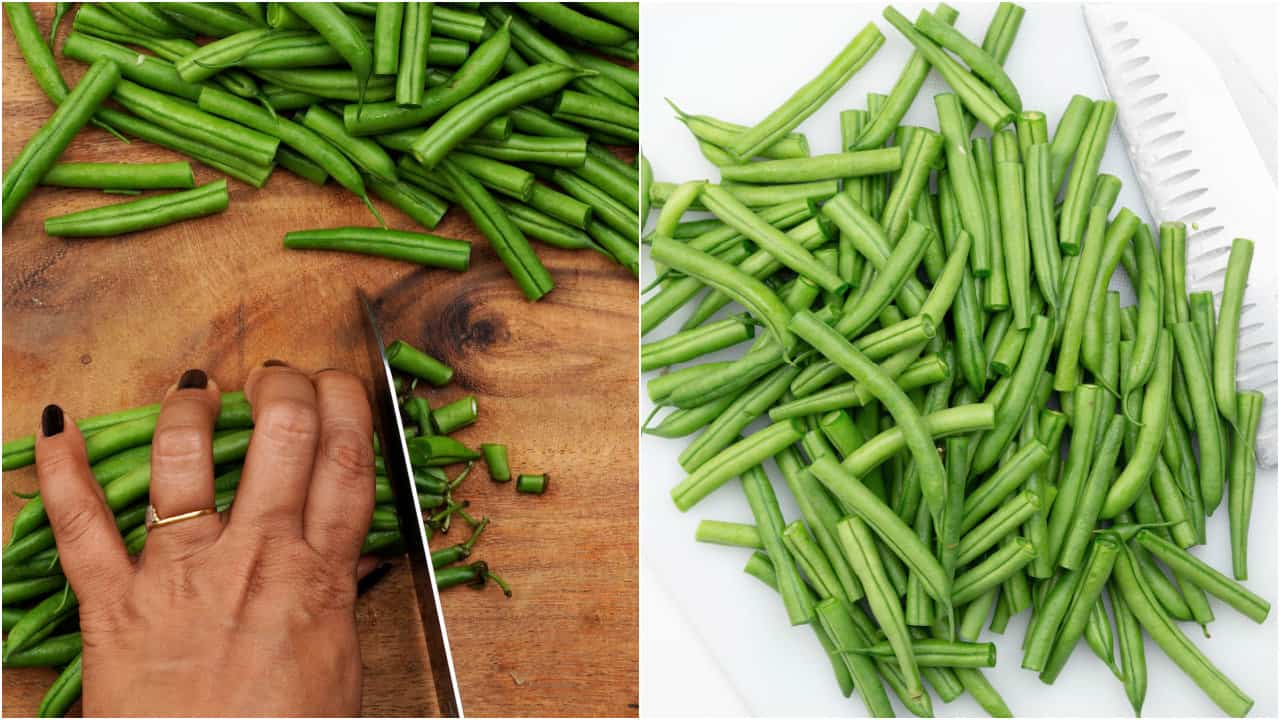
100	325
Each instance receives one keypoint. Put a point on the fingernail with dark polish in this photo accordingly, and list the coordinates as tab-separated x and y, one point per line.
368	581
275	363
193	379
51	420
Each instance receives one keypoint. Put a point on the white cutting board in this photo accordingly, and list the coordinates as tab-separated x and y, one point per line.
737	63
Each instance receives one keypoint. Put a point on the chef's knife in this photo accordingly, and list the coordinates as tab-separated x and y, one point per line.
1196	163
395	456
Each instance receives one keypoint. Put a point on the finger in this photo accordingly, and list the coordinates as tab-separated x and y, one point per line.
182	467
340	502
277	468
89	545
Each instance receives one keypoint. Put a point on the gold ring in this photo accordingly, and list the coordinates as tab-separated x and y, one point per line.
154	520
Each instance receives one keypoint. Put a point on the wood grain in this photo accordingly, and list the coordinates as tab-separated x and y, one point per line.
99	325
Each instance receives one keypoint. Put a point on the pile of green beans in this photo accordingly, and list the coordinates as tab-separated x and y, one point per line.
426	105
970	423
39	607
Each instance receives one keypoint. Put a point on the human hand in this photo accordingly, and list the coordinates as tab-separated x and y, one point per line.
247	614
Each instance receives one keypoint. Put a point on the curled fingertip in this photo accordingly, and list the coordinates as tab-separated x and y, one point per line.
52	421
193	379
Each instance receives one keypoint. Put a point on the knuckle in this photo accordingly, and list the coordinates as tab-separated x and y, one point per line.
74	520
59	460
350	450
180	444
289	420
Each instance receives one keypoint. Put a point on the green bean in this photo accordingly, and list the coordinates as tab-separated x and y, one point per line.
986	67
991	493
1014	234
746	290
1075	312
467	116
425	209
918	156
43	149
942	653
146	70
365	153
1200	574
1093	578
147	18
508	179
388	22
897	535
1048	620
344	35
1155	412
208	60
577	24
809	97
1138	597
618	120
1120	232
1075	204
996	526
141	214
1150	286
510	244
996	288
565	152
304	140
407	359
1242	470
1212	469
962	170
40	621
992	571
544	228
1228	333
736	417
818	167
734	460
836	348
1173	267
209	19
728	533
52	652
977	96
1041	228
835	618
859	547
17	592
420	248
786	250
920	373
904	92
722	134
459	24
1093	492
186	119
768	517
330	83
690	344
455	415
1013	406
1133	660
64	691
120	176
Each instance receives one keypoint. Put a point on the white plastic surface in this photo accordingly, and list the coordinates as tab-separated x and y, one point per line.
737	62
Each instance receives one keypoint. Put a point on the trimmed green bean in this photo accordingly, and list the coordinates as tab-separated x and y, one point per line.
141	214
40	153
120	176
809	97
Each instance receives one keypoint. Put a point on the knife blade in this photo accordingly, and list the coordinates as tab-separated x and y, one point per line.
1196	163
395	456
